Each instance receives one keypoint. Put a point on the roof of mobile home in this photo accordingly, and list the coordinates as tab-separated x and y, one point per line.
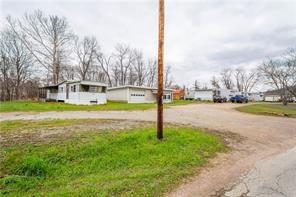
137	87
83	82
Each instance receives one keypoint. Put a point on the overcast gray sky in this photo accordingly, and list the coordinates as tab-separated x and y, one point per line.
202	37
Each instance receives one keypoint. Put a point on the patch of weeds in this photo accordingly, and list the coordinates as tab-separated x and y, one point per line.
16	183
32	166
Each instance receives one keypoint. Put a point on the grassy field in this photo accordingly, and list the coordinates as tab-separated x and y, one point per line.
114	163
15	106
15	126
270	109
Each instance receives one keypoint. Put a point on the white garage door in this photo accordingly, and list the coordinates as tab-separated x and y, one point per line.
137	96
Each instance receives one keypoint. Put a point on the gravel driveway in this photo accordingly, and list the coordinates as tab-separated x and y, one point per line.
264	137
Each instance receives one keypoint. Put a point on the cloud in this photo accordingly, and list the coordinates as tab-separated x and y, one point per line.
202	37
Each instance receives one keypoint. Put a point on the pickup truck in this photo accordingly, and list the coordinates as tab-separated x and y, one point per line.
239	99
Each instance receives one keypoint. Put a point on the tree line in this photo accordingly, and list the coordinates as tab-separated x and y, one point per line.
279	73
39	49
238	78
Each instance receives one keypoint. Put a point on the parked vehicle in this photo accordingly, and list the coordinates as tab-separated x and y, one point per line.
219	99
239	99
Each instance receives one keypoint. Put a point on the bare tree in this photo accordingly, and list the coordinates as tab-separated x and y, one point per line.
281	74
239	76
205	86
69	72
196	85
47	38
168	80
289	67
86	50
252	78
132	77
215	82
276	75
140	68
152	69
105	63
246	80
116	75
226	78
124	58
17	62
5	67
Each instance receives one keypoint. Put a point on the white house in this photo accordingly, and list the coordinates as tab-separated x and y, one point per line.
208	94
256	96
76	92
137	94
272	98
272	95
204	95
225	93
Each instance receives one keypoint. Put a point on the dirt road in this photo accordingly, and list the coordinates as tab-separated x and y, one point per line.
264	137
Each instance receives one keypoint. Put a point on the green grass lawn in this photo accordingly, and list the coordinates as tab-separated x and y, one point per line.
15	106
115	163
270	109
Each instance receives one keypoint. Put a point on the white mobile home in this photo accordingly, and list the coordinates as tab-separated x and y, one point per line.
257	96
204	95
76	92
225	93
272	98
137	94
208	94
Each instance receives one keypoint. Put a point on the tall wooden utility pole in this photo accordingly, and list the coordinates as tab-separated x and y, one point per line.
160	71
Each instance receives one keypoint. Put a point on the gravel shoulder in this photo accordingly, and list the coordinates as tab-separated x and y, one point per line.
263	136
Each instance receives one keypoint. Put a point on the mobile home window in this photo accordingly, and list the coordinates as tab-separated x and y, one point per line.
73	88
166	97
101	89
92	89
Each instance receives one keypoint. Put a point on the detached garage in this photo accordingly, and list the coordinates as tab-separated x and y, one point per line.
137	94
272	98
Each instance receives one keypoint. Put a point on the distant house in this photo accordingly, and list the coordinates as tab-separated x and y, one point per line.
75	92
137	94
272	97
276	96
178	94
256	96
226	93
208	94
204	95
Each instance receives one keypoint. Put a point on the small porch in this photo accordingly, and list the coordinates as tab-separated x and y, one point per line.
48	93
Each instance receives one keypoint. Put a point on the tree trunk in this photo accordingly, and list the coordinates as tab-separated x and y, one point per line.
284	97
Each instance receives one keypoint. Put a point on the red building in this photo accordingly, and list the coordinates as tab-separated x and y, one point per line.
178	94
